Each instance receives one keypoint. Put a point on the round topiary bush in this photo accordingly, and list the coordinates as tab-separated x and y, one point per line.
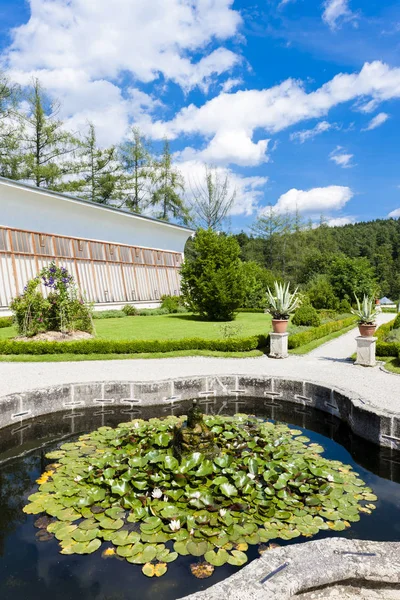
306	316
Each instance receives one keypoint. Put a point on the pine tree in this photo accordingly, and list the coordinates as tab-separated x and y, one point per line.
212	199
136	159
48	147
99	175
168	182
11	155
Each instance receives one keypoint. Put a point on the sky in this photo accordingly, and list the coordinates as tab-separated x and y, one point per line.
297	101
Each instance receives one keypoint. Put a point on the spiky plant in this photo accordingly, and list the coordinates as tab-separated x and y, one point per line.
283	303
366	311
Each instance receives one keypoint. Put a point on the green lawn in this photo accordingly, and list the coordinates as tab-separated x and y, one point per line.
171	327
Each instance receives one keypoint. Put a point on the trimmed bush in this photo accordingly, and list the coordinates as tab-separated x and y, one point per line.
99	346
251	310
305	337
384	348
129	310
307	316
6	322
173	304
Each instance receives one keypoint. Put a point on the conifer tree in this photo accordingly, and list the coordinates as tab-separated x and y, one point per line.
169	186
99	175
48	147
136	159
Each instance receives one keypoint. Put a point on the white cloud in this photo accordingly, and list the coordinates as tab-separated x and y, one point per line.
229	84
336	12
395	213
377	121
249	190
274	109
315	200
309	134
341	158
340	221
81	50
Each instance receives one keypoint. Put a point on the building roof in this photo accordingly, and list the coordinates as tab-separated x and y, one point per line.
385	300
95	205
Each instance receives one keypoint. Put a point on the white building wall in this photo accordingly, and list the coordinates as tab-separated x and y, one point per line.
37	210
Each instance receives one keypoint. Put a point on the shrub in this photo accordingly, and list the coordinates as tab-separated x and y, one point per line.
306	315
100	346
305	337
6	322
173	304
321	293
152	312
129	310
62	310
396	323
344	307
257	280
213	280
109	314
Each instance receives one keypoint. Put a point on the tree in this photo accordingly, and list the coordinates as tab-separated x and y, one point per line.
212	198
212	280
274	227
11	156
349	276
256	281
100	177
48	146
168	182
136	159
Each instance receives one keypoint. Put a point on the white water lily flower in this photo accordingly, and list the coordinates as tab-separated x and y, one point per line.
196	495
156	493
222	512
330	478
165	498
251	475
78	478
191	531
175	525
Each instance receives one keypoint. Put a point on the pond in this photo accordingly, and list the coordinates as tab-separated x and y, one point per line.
33	570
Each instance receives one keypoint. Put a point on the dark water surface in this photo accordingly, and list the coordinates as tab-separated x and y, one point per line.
30	570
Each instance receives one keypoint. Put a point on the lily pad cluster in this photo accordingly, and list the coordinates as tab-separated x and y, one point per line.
124	490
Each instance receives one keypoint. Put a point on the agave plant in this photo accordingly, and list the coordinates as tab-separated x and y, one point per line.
366	311
282	304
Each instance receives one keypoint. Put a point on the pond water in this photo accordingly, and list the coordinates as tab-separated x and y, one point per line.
32	570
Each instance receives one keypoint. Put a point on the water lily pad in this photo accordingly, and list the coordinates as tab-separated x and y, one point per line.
218	558
156	570
197	548
237	558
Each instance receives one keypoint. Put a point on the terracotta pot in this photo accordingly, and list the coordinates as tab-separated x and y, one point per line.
279	325
367	330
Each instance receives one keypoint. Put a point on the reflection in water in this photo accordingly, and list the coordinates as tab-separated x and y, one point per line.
30	570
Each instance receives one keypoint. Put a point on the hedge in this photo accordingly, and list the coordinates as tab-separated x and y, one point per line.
98	346
386	348
305	337
5	322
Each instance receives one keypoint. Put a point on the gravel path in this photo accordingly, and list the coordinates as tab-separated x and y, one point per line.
327	365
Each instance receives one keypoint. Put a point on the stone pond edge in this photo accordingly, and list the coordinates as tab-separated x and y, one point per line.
282	572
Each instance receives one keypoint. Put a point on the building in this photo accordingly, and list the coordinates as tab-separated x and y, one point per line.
115	256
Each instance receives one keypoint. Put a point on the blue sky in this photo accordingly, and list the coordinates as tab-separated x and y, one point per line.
298	101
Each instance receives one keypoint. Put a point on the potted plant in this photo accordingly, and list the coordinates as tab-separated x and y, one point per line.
366	313
281	305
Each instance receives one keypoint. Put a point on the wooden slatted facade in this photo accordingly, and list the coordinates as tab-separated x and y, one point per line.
104	272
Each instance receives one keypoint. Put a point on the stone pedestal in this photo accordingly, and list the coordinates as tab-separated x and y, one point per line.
366	348
278	345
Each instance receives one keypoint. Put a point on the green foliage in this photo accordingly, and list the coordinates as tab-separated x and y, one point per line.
305	337
61	310
152	312
100	346
128	487
344	307
213	280
6	322
321	294
365	311
173	304
257	280
168	188
129	310
396	324
282	303
306	315
383	346
109	314
350	276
